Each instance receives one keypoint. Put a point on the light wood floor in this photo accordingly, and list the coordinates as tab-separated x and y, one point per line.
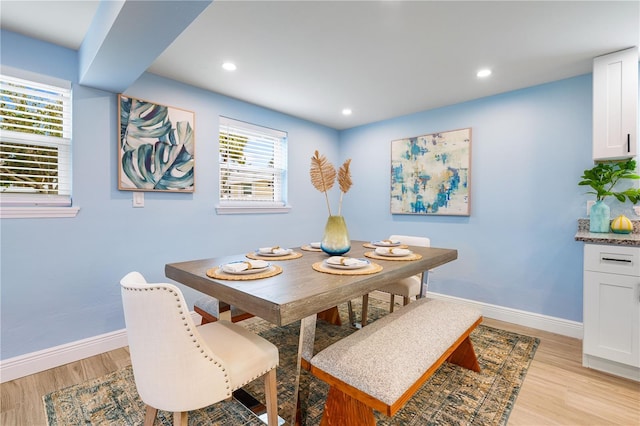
557	389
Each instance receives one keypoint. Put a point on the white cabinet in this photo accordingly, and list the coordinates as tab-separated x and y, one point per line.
615	105
611	316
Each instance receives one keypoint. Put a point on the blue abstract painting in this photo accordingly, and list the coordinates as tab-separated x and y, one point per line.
156	147
430	174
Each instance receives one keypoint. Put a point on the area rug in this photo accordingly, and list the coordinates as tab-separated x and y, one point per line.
452	396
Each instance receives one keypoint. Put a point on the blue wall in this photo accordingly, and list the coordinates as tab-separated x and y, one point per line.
59	277
517	249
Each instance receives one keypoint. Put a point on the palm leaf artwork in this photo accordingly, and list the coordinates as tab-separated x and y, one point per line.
155	154
323	177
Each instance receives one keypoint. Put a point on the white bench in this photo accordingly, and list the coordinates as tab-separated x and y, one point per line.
382	365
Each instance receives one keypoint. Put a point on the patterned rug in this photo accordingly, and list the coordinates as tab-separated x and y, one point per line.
452	396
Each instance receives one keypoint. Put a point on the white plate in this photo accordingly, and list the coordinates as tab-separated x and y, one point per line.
386	243
246	271
336	266
394	254
289	251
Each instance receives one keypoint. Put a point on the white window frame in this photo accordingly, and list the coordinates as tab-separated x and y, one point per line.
241	205
23	205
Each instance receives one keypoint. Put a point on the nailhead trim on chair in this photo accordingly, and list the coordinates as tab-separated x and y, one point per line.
186	324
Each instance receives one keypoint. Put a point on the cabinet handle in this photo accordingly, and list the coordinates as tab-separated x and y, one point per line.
612	259
628	142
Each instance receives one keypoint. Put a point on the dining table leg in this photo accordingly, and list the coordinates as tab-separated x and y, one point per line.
424	282
305	352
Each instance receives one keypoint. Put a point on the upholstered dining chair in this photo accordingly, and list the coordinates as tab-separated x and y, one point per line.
179	367
211	310
407	287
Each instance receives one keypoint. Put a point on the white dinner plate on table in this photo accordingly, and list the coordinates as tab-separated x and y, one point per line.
386	243
399	253
285	252
363	264
245	271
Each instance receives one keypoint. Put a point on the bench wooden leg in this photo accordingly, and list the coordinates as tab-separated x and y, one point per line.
465	356
343	410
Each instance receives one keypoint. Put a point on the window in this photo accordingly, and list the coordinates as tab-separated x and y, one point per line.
253	168
35	145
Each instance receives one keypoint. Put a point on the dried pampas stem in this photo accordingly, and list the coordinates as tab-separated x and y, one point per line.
323	175
344	180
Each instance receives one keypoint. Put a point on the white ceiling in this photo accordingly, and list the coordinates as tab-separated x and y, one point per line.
311	59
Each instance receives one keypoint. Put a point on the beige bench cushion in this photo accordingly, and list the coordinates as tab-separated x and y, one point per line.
387	357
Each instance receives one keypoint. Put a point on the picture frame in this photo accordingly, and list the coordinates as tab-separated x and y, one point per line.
430	174
156	147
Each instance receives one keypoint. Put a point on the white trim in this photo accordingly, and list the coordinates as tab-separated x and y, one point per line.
33	76
37	212
45	359
35	362
251	209
611	367
515	316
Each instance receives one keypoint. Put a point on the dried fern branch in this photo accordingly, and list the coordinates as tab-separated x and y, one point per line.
344	180
323	175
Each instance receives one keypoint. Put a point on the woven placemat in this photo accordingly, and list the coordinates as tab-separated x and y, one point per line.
373	246
371	269
292	255
219	274
309	248
412	256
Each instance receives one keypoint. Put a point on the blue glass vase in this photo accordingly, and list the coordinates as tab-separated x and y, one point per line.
335	241
599	217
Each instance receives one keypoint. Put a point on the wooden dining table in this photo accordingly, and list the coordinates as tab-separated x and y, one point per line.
300	292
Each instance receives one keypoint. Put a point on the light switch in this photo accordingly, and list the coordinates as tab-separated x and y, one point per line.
138	199
589	204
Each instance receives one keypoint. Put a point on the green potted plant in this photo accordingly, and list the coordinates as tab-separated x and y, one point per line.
602	178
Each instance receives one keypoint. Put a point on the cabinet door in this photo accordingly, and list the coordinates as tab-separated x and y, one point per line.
615	105
612	317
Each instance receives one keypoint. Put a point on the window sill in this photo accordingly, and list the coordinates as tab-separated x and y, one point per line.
37	212
251	209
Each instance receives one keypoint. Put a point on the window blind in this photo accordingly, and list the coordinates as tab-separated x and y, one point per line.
253	163
35	143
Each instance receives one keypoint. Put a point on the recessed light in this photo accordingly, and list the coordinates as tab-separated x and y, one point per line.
346	111
484	73
229	66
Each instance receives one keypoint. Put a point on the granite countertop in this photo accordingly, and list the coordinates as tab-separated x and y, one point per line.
632	239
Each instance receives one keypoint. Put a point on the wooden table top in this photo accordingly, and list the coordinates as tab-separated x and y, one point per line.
300	291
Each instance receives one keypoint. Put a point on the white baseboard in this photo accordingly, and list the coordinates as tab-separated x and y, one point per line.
35	362
611	367
515	316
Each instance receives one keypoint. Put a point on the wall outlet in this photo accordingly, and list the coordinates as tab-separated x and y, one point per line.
589	204
138	199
